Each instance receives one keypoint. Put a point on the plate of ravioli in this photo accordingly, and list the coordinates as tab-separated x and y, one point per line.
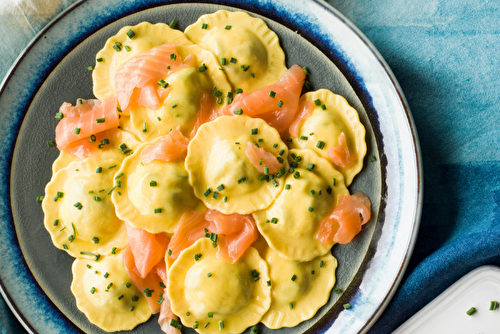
199	167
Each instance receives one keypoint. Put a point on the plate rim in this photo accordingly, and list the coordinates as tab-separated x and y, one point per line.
409	118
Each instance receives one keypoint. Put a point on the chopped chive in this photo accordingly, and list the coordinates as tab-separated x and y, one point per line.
207	192
329	190
254	330
169	252
215	195
238	112
101	120
131	308
173	322
290	305
135	298
56	222
195	325
78	205
348	306
224	199
96	198
106	275
221	325
238	90
127	48
197	256
303	138
208	323
93	138
157	210
77	131
308	85
268	283
317	102
98	170
128	285
100	59
118	176
280	103
112	166
228	27
471	311
202	68
161	82
173	56
255	275
312	192
130	33
310	209
51	143
306	70
243	179
372	158
296	175
334	182
221	187
254	131
113	250
266	170
294	277
92	290
312	272
233	60
153	183
287	186
204	26
321	264
337	290
320	144
91	68
209	275
493	305
59	115
323	107
310	167
65	246
174	106
95	240
173	24
223	61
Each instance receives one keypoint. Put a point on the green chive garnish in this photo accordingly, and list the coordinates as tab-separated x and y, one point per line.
204	26
280	103
153	183
202	68
320	144
290	305
100	120
130	33
310	167
348	306
197	256
92	290
310	209
78	205
294	277
287	186
157	210
127	48
238	112
91	68
228	27
493	305
98	170
306	70
233	60
173	24
317	102
337	290
372	158
207	192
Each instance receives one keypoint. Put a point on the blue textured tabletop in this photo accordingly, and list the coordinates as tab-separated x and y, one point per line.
444	53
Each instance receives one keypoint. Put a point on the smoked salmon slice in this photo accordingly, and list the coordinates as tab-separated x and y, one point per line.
277	104
306	108
171	147
166	316
260	158
235	233
190	228
207	112
148	249
80	122
136	80
340	154
346	219
152	286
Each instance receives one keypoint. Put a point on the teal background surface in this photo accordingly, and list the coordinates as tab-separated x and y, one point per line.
444	53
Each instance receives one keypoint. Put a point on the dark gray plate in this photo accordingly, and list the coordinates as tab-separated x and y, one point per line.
36	277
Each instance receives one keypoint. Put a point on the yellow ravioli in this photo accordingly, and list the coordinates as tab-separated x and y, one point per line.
214	293
152	196
219	169
248	51
327	123
106	294
291	223
79	214
146	36
298	289
182	102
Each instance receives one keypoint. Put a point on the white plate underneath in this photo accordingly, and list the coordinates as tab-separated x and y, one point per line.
447	313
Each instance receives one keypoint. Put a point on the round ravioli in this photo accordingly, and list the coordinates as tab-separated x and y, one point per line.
221	172
213	295
152	196
298	289
79	213
127	43
291	223
188	91
331	116
119	144
247	50
106	294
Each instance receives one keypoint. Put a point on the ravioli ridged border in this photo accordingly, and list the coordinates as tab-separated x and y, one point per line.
103	76
275	54
248	316
276	235
59	236
337	104
322	282
127	320
196	166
